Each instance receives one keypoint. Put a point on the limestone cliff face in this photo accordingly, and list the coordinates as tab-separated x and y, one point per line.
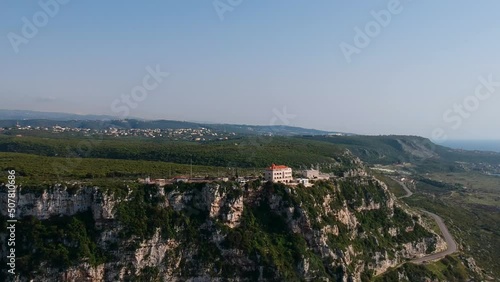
58	201
55	202
340	230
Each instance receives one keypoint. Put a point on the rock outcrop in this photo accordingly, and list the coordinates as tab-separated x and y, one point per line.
338	230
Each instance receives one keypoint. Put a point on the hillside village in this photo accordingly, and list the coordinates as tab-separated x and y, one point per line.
174	134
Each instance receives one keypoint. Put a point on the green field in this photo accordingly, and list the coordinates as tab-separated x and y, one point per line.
33	169
248	152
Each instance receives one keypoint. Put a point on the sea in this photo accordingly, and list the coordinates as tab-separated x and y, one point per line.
481	145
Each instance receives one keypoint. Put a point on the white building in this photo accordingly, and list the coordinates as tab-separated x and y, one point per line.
311	173
304	181
278	173
241	180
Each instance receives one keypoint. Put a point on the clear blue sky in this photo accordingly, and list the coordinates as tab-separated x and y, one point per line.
263	55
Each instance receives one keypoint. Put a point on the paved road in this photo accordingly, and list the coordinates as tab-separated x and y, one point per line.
408	192
452	245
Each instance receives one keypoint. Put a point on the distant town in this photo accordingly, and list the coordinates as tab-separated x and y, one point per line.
163	130
181	134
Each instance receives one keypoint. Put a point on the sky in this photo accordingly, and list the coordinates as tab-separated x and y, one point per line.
427	68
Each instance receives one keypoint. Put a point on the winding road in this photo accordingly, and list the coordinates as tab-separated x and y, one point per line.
452	245
409	193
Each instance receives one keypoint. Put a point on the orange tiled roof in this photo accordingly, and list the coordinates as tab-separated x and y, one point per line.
274	167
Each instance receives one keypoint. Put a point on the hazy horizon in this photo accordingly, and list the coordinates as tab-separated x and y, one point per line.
262	63
466	144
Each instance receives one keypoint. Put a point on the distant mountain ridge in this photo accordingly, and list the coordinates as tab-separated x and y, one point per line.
390	149
25	114
9	118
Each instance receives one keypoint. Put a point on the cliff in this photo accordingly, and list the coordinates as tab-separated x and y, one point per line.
349	229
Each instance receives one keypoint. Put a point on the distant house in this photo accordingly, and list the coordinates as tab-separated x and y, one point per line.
314	174
278	173
161	182
304	181
241	180
311	173
181	178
